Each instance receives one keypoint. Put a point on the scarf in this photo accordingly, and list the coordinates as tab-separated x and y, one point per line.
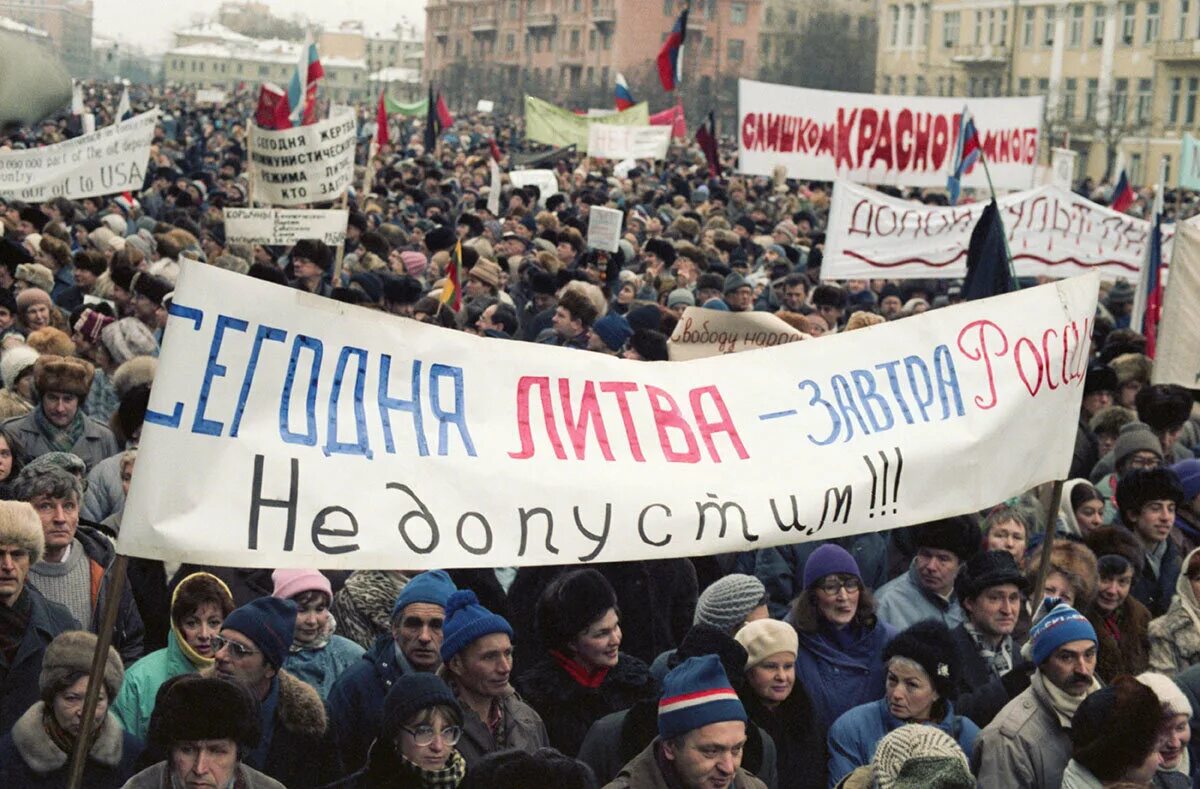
1112	627
1185	598
578	672
13	623
1062	703
62	739
449	777
843	638
61	439
999	659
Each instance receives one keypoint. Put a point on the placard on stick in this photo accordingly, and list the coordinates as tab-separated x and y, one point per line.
604	228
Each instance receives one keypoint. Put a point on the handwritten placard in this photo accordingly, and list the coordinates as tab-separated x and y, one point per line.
285	226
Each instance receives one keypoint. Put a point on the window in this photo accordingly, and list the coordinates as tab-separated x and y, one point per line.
1173	101
1193	86
922	87
1145	100
1120	98
510	42
736	48
1023	85
1027	27
950	24
952	89
1089	99
1152	22
1002	31
978	28
737	13
1048	27
973	87
941	83
885	87
574	40
1068	103
1099	12
991	26
926	13
791	17
1128	22
1181	25
706	47
893	26
1075	28
910	24
591	40
1135	168
1043	86
576	6
902	85
769	17
668	7
764	46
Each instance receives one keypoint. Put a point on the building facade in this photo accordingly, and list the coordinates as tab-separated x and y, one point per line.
1121	77
68	23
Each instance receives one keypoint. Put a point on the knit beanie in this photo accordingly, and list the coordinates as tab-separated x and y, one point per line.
1188	472
707	640
71	653
681	297
734	282
14	362
415	263
934	772
1062	625
269	622
410	694
466	620
727	602
765	637
289	583
908	742
190	707
433	587
1115	728
21	527
1135	437
695	694
829	559
1174	701
613	330
930	645
91	323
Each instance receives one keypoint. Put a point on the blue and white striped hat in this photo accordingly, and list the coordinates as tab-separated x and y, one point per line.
696	693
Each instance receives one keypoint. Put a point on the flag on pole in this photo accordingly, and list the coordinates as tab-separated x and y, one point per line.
623	98
381	121
416	109
452	290
124	108
302	90
670	57
988	270
1123	194
1148	295
272	110
967	150
494	149
706	138
443	112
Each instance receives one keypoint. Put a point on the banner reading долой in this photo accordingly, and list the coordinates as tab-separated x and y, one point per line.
1051	232
288	430
898	140
285	226
107	161
307	164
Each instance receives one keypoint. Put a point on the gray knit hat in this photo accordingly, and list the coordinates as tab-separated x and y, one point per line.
728	601
909	742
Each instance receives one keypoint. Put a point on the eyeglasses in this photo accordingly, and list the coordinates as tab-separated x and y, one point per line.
425	735
834	584
237	650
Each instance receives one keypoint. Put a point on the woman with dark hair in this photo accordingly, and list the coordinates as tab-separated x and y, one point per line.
10	463
1081	510
198	608
1121	622
840	656
583	675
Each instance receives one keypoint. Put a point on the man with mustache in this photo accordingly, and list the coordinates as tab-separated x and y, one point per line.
1029	742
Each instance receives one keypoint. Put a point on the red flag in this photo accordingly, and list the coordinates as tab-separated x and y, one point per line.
495	149
381	121
669	57
272	110
707	141
443	113
452	291
1123	194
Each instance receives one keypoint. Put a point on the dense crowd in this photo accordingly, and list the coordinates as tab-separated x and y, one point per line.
923	656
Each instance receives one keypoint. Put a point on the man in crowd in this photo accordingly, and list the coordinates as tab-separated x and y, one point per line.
58	424
573	317
926	591
1147	501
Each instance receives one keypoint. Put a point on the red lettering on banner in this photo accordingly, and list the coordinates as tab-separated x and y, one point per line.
863	229
941	141
589	413
904	139
978	351
525	427
845	132
1046	354
984	340
620	390
667	417
868	127
883	143
1026	343
724	423
924	127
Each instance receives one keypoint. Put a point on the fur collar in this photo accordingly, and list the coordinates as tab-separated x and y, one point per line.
300	709
43	756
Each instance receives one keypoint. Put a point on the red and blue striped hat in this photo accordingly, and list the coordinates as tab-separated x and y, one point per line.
695	694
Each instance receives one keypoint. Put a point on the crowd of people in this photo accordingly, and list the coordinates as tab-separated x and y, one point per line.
923	656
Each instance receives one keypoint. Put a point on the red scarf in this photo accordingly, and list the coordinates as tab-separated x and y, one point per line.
579	672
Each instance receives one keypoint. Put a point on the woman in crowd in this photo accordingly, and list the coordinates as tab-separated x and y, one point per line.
1174	734
37	751
1081	509
10	463
1005	529
1175	636
839	654
778	705
1121	622
318	656
582	675
1114	737
921	677
198	608
1072	578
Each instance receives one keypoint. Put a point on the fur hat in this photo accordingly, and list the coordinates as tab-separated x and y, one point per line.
15	361
661	249
1108	750
36	275
988	569
151	287
863	319
1115	541
71	653
21	526
1109	421
192	707
487	272
31	296
958	535
135	372
1139	486
51	341
570	603
63	374
930	645
128	338
1131	367
1074	560
1164	406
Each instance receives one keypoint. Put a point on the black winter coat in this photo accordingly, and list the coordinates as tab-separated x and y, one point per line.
129	633
19	682
802	759
979	696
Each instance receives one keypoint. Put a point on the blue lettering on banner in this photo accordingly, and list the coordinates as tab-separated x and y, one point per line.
200	424
173	419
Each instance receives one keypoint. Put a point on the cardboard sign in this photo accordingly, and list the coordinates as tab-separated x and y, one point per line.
285	226
485	105
545	180
1062	168
628	142
702	333
210	96
604	228
307	164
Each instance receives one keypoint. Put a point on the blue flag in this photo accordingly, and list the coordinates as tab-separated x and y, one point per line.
988	272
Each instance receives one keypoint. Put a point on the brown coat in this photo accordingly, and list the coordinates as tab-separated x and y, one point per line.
1132	654
643	773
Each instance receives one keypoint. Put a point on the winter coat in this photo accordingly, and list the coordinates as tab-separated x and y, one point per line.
1076	776
902	602
523	731
644	773
838	679
1025	747
19	688
1155	590
854	736
127	637
321	667
135	702
801	754
356	700
569	709
1175	636
781	569
156	777
104	495
363	606
980	696
95	444
382	771
1132	654
617	738
12	405
1087	450
29	759
1188	681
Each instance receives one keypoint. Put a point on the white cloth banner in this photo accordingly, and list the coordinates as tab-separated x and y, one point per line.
702	333
899	140
1051	232
285	226
288	430
628	142
214	96
485	105
307	164
1177	351
545	180
107	161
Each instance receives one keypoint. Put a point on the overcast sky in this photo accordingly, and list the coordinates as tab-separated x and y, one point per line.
149	22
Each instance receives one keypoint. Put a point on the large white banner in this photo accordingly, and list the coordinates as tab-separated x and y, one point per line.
107	161
900	140
288	430
285	226
628	142
307	164
1051	232
1177	354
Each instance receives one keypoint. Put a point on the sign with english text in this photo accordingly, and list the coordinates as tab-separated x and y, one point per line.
289	430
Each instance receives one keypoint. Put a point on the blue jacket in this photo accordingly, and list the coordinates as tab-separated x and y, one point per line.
19	681
1156	590
854	736
781	569
321	667
902	602
356	700
837	678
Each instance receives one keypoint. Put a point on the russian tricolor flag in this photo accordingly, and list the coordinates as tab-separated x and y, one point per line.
302	90
623	98
670	57
1123	194
967	151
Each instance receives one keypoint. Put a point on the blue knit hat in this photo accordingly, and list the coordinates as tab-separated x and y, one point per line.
433	587
466	621
614	330
829	559
696	693
1061	626
269	622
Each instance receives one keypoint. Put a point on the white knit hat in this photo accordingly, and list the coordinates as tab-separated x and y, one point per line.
14	362
765	637
1173	699
911	741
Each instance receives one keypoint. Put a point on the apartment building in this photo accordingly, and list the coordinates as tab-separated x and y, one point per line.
68	23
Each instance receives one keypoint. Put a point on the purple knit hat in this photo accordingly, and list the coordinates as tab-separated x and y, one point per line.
828	560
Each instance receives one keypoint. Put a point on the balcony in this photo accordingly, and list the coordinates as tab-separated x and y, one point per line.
1178	51
485	24
541	21
441	30
604	14
983	55
571	58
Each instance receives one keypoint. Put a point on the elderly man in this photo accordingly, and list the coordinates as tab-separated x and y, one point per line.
58	423
75	570
1029	742
254	641
356	701
28	621
926	591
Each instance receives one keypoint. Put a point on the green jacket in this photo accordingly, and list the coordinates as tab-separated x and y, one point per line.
135	702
